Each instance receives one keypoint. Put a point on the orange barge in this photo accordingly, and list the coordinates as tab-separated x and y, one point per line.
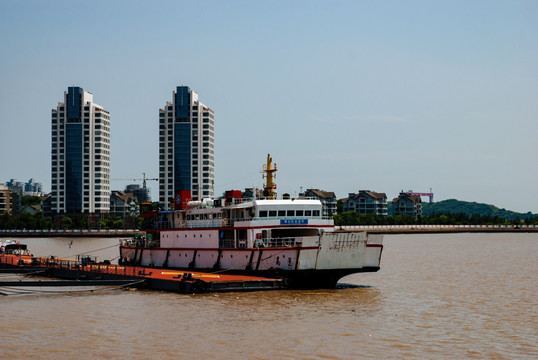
186	282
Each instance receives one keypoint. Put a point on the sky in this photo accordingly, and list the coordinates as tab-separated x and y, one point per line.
345	95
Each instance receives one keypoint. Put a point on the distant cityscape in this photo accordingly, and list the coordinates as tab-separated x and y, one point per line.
80	165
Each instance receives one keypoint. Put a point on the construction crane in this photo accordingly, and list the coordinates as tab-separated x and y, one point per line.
144	179
430	194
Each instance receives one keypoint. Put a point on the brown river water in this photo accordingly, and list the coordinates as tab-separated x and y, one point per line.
443	296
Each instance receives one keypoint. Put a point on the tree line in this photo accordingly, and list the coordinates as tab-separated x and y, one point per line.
73	221
353	218
80	221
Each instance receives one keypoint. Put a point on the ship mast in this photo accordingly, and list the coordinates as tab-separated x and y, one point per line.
269	169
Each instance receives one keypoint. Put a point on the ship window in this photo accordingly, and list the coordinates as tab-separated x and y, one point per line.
299	213
281	213
316	212
291	213
308	213
263	213
272	213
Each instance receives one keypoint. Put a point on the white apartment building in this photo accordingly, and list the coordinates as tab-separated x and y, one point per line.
186	147
80	155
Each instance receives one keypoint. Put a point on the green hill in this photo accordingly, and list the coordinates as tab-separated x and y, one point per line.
453	206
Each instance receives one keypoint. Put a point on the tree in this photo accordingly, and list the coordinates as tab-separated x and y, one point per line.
30	200
67	222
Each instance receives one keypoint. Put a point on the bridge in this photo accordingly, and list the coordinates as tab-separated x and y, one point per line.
378	229
414	229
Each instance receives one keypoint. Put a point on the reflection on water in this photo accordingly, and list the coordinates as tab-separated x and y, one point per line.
436	296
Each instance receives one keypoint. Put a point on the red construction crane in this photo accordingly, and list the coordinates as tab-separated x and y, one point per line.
143	179
430	194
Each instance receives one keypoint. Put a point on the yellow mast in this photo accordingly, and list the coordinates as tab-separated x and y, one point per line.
270	186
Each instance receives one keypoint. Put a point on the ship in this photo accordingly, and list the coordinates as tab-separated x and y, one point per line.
286	238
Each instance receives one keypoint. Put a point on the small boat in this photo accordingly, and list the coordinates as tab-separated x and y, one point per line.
13	247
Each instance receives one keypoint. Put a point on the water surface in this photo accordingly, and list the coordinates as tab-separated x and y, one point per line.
436	296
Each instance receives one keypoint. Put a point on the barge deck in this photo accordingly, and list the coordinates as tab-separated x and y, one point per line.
84	274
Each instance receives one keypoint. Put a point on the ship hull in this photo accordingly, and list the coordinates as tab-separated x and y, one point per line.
318	263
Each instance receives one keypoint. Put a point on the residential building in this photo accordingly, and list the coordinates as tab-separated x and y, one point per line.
186	148
46	201
80	156
122	204
17	191
366	202
5	199
249	193
31	209
407	204
15	186
141	193
327	198
32	188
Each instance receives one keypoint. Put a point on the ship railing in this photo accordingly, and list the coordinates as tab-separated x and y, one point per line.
189	224
226	243
275	242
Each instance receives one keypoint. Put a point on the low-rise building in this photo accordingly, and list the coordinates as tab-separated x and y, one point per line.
46	205
327	198
5	199
407	204
366	202
142	193
122	204
30	209
249	193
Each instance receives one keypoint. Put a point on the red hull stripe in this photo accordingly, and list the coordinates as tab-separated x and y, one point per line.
233	249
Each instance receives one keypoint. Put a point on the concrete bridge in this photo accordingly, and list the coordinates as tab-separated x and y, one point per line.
413	229
379	229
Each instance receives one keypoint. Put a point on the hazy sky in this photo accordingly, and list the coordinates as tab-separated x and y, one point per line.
345	95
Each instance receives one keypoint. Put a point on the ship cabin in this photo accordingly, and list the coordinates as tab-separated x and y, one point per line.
256	223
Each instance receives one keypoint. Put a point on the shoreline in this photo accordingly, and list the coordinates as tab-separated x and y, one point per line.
376	229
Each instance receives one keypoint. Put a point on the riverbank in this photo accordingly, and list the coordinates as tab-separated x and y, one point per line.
70	233
439	229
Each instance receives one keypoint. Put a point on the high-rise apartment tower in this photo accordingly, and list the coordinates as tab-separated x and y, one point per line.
186	147
80	157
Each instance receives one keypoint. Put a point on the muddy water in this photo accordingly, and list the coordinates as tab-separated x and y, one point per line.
436	296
